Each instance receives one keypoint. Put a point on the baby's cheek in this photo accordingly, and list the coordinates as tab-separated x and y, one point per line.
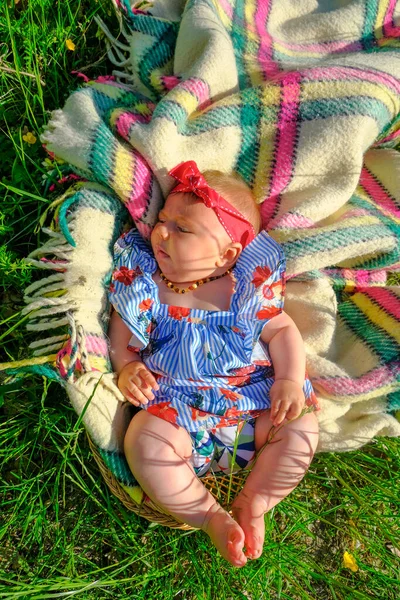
153	238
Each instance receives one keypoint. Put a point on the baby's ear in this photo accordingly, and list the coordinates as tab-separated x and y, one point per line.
230	255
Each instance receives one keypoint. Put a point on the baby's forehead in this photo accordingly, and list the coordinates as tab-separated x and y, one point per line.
192	209
186	205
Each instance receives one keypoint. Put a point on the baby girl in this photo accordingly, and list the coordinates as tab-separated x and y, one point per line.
189	313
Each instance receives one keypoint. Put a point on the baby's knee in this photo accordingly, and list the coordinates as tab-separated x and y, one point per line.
305	429
309	422
150	437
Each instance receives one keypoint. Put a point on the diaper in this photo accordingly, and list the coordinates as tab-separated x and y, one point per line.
227	449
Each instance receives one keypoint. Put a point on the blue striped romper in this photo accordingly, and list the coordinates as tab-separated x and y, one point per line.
214	375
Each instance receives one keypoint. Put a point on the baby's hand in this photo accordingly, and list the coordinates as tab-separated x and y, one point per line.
287	400
136	383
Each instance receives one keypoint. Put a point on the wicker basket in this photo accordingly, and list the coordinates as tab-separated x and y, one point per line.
224	487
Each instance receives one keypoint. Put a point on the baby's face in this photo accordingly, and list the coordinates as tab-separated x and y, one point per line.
188	239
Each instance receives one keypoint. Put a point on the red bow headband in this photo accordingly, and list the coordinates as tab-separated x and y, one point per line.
191	180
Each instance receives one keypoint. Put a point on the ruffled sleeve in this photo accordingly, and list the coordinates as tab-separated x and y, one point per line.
132	287
260	283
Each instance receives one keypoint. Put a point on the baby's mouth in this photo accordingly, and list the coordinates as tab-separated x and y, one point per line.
161	253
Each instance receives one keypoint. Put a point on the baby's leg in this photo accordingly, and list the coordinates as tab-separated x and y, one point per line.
278	470
157	452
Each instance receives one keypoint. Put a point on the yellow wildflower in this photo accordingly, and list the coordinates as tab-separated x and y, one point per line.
29	138
350	562
70	45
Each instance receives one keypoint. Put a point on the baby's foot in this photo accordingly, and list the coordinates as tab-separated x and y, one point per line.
248	510
226	535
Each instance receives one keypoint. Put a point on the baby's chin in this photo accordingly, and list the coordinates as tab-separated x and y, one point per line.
182	275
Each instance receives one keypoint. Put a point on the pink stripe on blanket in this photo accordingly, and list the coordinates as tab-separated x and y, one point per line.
286	143
388	138
361	277
199	89
96	345
125	121
350	73
347	386
265	51
170	81
358	277
378	193
378	276
291	221
354	212
323	47
140	196
287	126
386	299
389	28
227	8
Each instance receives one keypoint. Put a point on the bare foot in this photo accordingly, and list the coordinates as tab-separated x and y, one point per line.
248	510
226	535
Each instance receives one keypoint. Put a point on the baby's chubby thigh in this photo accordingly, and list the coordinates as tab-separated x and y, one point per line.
152	440
157	452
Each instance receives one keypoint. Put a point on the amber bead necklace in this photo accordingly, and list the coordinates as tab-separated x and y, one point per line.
194	285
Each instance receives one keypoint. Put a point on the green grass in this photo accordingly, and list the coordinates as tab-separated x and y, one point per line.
62	533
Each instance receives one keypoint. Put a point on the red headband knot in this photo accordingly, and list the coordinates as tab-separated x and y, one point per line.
191	180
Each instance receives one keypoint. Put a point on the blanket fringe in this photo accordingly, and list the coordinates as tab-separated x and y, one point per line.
49	340
51	305
48	305
49	324
51	344
116	57
39	287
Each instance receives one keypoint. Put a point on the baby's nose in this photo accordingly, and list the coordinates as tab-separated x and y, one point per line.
163	231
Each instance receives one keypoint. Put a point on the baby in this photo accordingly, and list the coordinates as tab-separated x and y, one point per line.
184	337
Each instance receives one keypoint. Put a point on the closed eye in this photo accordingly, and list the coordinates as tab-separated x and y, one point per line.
183	229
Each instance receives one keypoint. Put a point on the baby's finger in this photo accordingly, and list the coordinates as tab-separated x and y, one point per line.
149	379
147	391
275	409
275	405
281	414
294	411
142	386
130	397
135	393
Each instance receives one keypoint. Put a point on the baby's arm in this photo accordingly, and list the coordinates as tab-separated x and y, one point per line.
134	379
286	349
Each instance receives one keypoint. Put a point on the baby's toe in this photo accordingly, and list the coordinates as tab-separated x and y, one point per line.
235	545
236	557
254	544
253	553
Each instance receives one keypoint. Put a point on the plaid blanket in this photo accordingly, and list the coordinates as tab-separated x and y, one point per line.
304	104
